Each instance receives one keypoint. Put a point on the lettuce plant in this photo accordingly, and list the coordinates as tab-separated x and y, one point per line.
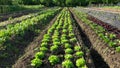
56	43
79	54
40	55
68	56
64	41
67	45
36	62
54	48
80	62
44	44
118	49
73	40
71	35
77	48
112	43
55	39
67	64
53	59
44	49
64	31
68	51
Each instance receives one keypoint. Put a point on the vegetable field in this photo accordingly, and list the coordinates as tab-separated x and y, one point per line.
59	34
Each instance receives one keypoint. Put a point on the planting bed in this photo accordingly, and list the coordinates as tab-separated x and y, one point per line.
107	17
4	17
15	39
100	47
13	21
59	46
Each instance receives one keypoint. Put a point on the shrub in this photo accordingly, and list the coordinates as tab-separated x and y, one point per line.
39	55
36	62
79	54
68	51
80	62
77	48
53	59
67	64
68	56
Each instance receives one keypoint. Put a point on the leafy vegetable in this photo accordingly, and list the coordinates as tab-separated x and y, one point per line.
53	59
118	49
68	51
79	54
67	64
67	45
80	62
68	56
40	55
36	62
54	48
44	49
77	48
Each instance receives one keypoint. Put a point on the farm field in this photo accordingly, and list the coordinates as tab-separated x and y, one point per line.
59	34
115	9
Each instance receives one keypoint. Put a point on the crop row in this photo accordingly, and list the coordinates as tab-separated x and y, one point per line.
107	17
19	29
59	46
109	37
11	21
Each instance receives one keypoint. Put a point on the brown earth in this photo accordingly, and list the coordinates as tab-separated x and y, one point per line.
6	16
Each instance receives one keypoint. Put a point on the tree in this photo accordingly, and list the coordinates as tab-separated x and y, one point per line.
69	2
5	2
46	2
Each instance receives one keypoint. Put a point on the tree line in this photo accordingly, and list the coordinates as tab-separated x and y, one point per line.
57	2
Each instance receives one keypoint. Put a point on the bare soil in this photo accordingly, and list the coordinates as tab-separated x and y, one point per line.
108	55
4	17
